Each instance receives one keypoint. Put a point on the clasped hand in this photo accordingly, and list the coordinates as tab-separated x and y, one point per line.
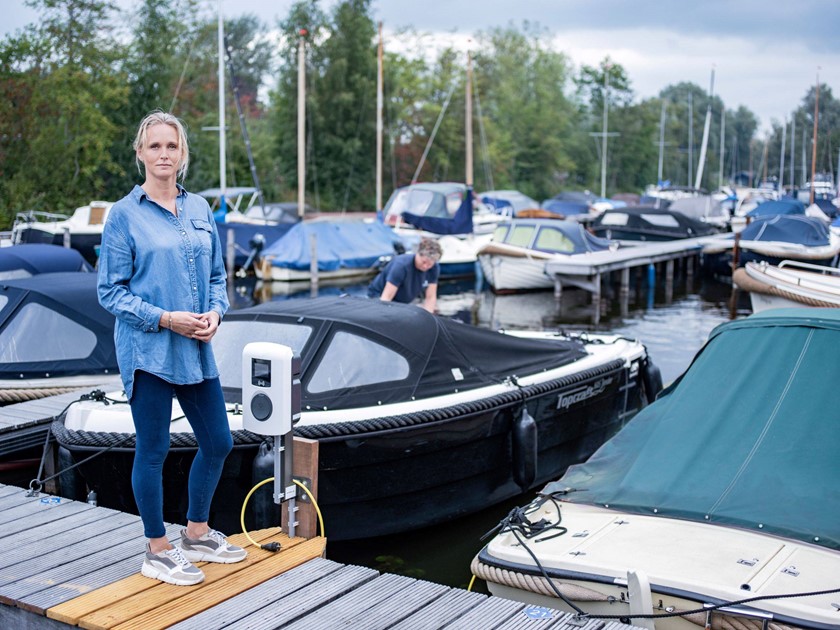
201	326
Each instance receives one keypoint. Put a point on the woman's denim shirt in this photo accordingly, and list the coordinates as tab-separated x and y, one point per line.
150	262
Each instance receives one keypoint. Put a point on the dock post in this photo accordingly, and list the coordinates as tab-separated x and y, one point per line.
230	253
313	264
669	280
304	470
558	287
66	238
624	291
690	262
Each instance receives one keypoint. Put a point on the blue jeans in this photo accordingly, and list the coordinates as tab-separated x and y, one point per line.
151	405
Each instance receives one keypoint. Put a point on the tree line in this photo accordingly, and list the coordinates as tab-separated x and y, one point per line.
77	82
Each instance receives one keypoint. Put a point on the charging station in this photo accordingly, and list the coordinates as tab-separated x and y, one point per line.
271	395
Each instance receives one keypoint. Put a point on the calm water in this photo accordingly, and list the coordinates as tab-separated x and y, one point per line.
673	324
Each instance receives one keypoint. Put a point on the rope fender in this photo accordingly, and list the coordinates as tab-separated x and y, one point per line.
97	439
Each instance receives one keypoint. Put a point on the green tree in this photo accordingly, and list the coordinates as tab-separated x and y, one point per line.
66	86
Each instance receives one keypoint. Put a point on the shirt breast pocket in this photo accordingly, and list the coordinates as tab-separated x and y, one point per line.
203	233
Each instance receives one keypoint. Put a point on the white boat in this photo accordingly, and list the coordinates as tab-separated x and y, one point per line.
789	284
716	506
516	257
81	231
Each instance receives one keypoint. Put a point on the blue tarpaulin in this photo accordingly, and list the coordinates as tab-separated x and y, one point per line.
30	259
461	223
787	206
788	229
340	245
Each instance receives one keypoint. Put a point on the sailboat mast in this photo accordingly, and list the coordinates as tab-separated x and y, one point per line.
722	144
468	124
792	149
814	142
661	144
222	150
379	99
706	127
782	160
690	138
604	132
301	120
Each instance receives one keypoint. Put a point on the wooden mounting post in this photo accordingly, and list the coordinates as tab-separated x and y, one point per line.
305	470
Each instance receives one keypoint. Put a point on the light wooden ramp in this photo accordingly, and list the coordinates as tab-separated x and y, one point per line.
65	563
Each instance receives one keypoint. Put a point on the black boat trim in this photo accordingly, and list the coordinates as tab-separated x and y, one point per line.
486	558
100	439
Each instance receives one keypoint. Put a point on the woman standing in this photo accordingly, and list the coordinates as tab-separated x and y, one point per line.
161	275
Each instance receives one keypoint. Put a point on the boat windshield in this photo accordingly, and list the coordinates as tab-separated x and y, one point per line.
550	239
21	340
235	335
353	361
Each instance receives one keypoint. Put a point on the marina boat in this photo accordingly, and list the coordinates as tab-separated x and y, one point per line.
789	284
54	336
24	261
445	211
419	419
788	237
342	250
714	507
768	208
516	257
646	223
703	208
508	202
81	231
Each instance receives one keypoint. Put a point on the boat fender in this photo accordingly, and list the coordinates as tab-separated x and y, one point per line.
651	379
524	445
266	513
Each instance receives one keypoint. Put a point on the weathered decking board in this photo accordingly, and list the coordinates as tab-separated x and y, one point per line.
67	563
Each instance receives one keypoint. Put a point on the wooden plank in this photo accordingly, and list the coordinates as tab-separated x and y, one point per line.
288	590
346	610
451	606
304	465
44	531
61	511
489	614
539	617
413	598
35	508
61	547
165	605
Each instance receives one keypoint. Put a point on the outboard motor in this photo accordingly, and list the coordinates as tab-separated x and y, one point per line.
256	244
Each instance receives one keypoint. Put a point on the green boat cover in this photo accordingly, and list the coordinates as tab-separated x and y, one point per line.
743	438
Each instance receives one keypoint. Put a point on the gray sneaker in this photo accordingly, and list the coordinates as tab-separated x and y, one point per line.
172	567
212	547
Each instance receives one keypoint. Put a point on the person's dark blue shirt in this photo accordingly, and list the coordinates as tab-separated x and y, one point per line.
409	280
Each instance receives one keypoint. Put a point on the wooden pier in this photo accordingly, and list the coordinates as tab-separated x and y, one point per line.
67	563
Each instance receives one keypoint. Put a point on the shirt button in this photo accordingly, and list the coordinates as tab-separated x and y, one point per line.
195	287
184	233
190	259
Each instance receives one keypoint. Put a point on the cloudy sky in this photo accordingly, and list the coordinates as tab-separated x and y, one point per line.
766	54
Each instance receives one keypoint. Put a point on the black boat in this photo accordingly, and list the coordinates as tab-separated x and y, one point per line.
647	223
419	419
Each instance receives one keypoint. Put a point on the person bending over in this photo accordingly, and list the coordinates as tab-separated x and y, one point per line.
409	276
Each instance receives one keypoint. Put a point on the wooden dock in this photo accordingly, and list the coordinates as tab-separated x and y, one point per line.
66	563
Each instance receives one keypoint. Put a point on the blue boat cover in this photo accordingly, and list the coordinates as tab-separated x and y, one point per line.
31	259
827	207
744	437
787	206
340	245
460	223
245	233
566	208
34	343
787	228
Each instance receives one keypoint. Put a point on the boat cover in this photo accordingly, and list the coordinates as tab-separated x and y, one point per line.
543	240
29	259
340	245
566	208
643	220
48	320
787	228
744	437
460	223
246	235
698	207
786	206
440	355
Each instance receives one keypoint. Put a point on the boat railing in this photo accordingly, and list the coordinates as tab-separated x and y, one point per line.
822	269
33	216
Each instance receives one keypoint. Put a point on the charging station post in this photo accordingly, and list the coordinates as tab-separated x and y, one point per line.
271	395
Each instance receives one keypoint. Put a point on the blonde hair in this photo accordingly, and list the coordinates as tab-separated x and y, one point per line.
430	248
159	117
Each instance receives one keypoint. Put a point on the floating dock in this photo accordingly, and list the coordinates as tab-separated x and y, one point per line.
67	563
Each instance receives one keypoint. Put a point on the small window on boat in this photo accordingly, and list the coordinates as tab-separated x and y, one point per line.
661	220
22	341
521	235
14	273
3	301
233	336
553	240
413	201
500	233
615	218
453	202
353	361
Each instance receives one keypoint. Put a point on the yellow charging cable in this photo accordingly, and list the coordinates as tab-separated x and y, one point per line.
273	546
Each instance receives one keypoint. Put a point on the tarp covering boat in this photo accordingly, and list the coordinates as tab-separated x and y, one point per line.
339	244
29	259
550	235
460	223
52	324
648	223
347	343
786	206
743	438
788	229
566	208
